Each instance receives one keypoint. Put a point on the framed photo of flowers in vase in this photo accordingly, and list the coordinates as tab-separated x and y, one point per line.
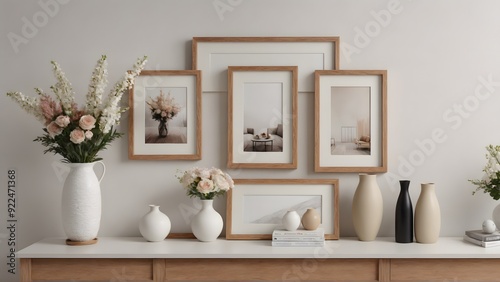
165	115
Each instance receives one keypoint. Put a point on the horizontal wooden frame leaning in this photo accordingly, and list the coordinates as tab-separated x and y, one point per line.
239	227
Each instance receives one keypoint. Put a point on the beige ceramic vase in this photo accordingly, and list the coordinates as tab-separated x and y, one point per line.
367	208
427	215
311	219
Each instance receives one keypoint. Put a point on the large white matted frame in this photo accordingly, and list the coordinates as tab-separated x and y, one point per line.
213	55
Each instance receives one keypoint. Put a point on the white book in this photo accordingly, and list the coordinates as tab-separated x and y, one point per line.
298	244
299	238
300	232
482	243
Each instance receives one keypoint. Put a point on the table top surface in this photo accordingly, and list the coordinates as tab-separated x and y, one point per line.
138	247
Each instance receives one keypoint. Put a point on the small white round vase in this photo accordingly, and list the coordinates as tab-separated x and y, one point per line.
155	225
291	220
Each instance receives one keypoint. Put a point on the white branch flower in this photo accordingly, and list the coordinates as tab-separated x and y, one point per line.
111	112
63	89
98	83
30	104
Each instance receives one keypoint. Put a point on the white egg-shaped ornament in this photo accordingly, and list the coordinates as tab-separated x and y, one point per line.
489	226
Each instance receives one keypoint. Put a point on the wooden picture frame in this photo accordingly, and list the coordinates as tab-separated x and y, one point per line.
255	206
351	121
180	94
213	55
262	117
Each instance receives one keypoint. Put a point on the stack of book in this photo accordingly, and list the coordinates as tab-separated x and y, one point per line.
299	238
485	240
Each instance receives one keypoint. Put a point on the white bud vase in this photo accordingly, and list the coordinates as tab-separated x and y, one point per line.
81	203
155	225
427	215
291	220
367	208
207	224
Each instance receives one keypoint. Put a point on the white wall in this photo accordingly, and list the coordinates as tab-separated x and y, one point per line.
438	54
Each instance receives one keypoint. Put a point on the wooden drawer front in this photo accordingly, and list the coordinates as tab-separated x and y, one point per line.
92	269
271	269
445	270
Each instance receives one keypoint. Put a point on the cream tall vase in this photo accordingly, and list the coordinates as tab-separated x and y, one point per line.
427	215
367	208
81	203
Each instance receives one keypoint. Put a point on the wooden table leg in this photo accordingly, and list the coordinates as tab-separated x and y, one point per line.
26	270
159	270
384	270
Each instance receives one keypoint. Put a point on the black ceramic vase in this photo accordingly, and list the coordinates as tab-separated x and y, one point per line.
404	214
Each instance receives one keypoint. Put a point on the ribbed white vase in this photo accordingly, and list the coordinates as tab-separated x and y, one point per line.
367	208
207	224
427	215
81	202
155	225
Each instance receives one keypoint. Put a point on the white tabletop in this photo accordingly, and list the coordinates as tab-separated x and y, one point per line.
137	247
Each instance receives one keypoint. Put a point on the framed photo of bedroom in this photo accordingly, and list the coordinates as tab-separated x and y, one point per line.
351	121
255	207
262	117
165	115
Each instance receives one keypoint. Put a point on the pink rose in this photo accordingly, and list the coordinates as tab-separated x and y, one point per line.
87	122
54	129
62	121
77	136
205	186
89	134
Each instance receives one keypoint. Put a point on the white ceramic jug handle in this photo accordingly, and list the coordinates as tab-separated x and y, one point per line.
103	170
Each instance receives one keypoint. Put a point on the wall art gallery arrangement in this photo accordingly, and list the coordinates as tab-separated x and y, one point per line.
262	77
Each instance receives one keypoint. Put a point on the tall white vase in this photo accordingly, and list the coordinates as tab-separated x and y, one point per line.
367	208
496	216
155	225
81	202
207	223
427	215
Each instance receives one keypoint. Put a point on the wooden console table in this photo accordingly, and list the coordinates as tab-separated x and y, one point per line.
133	259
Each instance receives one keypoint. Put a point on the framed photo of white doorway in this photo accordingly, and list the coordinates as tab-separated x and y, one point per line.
262	117
351	121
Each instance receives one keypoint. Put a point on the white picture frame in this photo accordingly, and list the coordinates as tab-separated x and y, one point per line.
212	55
277	196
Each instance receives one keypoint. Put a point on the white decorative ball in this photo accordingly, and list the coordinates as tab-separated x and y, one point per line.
489	226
